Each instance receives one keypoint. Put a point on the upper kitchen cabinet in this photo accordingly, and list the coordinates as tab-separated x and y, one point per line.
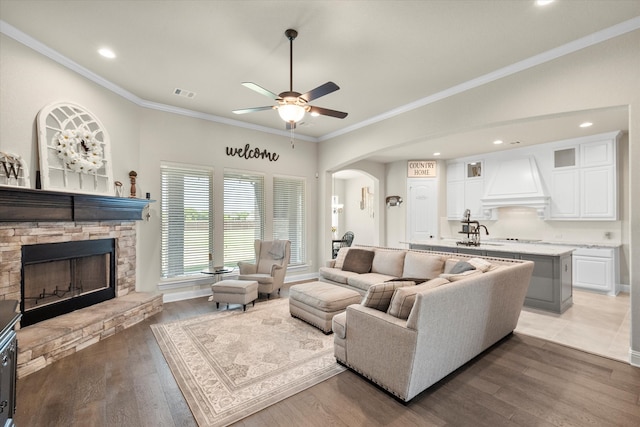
584	183
465	187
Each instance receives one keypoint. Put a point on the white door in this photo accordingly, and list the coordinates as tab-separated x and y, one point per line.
422	209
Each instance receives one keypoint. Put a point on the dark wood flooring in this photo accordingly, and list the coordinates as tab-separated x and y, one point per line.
524	381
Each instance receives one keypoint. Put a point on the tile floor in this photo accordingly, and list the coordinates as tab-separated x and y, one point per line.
596	323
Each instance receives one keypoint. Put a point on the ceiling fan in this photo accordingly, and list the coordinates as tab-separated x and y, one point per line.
293	105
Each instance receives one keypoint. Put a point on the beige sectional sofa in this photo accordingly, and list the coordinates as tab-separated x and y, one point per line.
414	335
387	264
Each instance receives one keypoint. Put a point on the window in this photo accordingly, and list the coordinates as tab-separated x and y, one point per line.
244	217
187	220
289	215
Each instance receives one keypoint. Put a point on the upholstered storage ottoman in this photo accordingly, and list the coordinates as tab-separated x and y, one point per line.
235	292
317	302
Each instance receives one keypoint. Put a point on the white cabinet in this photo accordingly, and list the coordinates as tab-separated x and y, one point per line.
596	269
465	188
597	193
565	197
584	180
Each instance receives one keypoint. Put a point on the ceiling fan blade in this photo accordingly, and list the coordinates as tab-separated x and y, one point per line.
251	110
321	90
260	90
327	112
291	125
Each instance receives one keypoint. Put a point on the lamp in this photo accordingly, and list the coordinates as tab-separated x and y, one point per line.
291	112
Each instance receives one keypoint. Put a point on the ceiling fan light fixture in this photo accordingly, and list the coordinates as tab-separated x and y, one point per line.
291	113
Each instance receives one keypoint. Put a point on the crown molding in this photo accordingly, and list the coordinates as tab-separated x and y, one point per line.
566	49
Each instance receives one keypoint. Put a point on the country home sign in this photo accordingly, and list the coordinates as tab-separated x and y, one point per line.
422	169
252	153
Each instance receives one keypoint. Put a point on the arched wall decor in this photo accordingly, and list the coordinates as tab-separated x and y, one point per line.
75	154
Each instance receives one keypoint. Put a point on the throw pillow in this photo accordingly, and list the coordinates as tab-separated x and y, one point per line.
480	264
342	253
404	298
358	261
379	295
460	276
461	267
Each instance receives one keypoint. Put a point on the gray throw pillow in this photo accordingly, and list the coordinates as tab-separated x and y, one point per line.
461	267
358	261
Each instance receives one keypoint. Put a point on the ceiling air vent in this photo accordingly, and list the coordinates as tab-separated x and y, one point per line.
184	93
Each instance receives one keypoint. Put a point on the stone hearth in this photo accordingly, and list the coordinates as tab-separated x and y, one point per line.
30	217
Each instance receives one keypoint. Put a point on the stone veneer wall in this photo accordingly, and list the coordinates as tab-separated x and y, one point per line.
45	342
15	234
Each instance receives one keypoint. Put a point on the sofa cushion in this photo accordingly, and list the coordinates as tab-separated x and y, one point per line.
417	264
449	263
379	295
461	267
342	253
403	298
358	260
388	262
365	281
339	324
336	275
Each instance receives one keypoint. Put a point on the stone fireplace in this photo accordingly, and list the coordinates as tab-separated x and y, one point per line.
98	236
59	278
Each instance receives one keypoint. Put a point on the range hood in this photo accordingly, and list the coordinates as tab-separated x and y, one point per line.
516	182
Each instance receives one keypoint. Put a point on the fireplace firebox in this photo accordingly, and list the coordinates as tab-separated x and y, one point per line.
58	278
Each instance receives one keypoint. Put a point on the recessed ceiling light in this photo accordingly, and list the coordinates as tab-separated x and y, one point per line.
498	141
436	154
107	53
586	124
314	114
543	2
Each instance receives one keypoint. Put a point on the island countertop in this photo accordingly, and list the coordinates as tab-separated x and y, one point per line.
495	246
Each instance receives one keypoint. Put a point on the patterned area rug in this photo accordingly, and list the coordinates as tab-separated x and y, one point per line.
231	364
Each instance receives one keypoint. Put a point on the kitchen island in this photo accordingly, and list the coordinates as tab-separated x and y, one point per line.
551	283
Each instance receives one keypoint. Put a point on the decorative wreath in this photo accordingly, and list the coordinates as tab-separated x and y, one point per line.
79	149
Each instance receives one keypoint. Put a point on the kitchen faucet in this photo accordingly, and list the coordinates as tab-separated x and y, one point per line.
478	230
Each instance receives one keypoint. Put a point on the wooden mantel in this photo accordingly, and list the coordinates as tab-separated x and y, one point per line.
27	205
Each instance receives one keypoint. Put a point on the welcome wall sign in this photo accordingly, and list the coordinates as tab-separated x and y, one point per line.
422	169
252	153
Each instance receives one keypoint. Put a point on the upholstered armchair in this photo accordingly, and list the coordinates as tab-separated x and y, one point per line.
272	259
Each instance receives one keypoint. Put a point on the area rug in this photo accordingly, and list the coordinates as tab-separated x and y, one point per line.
231	364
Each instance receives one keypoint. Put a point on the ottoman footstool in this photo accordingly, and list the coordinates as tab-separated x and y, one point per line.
235	292
317	302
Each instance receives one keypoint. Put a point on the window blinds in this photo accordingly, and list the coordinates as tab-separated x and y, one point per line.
187	226
244	217
289	215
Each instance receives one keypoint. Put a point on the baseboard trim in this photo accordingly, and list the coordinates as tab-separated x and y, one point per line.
180	296
634	358
205	291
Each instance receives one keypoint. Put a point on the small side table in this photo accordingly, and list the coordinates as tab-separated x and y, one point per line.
217	274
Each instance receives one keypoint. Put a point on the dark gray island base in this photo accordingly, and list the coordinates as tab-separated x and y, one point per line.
550	288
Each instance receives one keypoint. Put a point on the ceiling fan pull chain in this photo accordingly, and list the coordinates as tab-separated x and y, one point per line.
292	138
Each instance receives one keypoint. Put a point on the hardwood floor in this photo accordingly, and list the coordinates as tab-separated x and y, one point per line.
125	381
